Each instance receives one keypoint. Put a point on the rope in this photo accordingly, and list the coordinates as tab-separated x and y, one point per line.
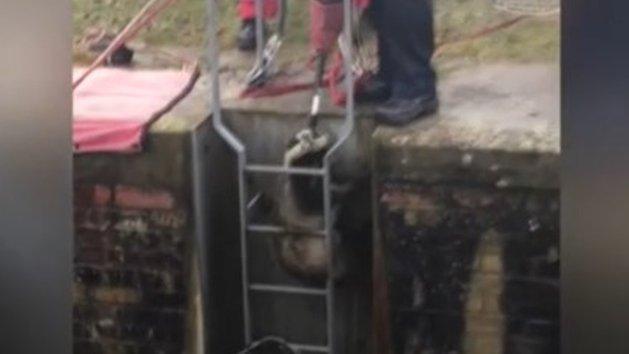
335	72
483	32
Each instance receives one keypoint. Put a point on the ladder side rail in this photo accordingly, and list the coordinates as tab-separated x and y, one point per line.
236	144
345	132
259	25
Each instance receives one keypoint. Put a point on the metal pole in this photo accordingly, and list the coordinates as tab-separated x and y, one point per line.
235	143
346	131
259	31
201	230
348	125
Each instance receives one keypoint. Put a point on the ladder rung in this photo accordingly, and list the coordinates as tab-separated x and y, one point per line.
309	348
273	229
285	170
287	289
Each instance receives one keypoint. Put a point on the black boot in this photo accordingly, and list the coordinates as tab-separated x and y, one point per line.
406	47
246	40
400	112
373	90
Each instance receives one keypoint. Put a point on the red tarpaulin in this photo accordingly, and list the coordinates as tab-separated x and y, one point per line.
114	107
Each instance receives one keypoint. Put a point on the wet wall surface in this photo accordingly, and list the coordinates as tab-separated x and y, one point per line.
468	218
445	242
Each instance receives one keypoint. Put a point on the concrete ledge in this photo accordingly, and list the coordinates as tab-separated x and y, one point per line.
498	125
467	214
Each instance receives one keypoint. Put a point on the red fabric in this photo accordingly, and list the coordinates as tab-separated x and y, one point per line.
336	81
362	4
326	23
247	9
113	107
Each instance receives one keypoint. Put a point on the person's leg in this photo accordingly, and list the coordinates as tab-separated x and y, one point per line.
246	39
406	47
326	24
406	34
247	9
378	87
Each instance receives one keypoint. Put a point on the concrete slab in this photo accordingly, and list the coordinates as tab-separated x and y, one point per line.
505	107
233	84
509	107
188	114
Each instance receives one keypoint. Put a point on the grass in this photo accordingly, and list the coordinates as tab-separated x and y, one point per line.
533	39
183	26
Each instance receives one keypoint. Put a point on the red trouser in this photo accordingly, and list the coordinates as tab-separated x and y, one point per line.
326	18
326	22
247	9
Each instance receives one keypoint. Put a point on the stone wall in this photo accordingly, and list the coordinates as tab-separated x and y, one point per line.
468	219
472	269
467	242
130	257
135	290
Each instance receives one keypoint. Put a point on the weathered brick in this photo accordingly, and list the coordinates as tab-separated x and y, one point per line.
79	293
491	263
163	260
484	324
159	349
93	239
473	199
116	347
87	347
82	312
152	325
117	295
91	255
168	219
474	303
92	218
492	302
119	278
136	198
161	281
491	281
133	331
129	293
165	300
87	275
92	195
482	343
129	225
106	327
80	330
496	249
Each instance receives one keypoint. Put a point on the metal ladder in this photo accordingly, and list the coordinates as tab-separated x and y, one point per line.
245	169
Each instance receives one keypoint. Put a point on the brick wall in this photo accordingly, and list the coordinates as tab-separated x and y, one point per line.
130	289
471	269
